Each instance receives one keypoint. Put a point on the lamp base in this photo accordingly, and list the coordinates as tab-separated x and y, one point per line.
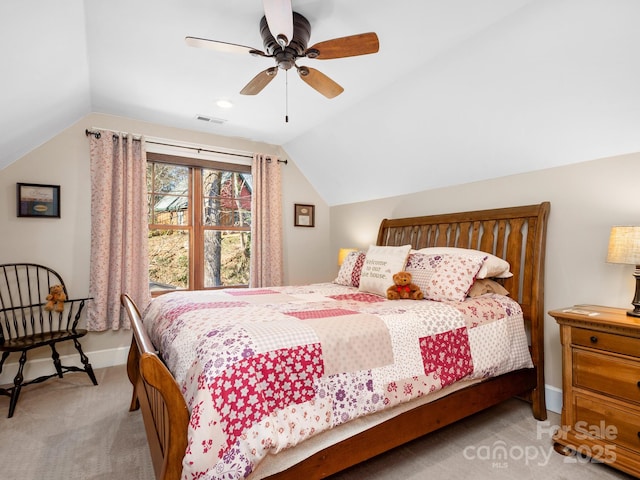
636	299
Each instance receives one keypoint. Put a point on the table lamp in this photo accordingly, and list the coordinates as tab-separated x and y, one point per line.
624	247
342	254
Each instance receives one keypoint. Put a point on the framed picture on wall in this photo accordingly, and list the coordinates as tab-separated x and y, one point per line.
36	200
304	215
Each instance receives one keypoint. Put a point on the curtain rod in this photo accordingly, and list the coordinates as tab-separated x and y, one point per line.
97	134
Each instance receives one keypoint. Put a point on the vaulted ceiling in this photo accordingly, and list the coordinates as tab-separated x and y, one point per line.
461	90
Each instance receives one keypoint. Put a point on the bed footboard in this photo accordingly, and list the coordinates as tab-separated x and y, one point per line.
156	393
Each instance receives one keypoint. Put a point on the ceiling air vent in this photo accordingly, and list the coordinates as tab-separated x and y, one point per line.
204	118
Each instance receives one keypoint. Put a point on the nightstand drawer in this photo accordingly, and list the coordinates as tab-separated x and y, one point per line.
613	376
612	425
605	341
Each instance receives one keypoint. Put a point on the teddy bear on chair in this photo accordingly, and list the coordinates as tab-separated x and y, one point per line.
403	288
55	299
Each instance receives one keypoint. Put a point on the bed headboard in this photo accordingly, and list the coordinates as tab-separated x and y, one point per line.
516	234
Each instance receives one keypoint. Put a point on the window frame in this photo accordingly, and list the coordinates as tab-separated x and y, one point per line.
196	227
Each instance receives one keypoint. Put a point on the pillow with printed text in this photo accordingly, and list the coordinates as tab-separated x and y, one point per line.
380	264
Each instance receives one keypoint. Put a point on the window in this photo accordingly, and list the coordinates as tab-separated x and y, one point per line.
199	223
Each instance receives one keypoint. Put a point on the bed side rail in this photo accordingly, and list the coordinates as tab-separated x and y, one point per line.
156	393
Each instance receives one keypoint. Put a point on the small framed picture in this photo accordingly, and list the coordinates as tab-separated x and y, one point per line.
35	200
304	215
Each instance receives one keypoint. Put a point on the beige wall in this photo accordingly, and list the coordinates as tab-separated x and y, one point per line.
64	244
586	200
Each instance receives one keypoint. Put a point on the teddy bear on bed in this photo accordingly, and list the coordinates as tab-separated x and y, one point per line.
55	299
403	288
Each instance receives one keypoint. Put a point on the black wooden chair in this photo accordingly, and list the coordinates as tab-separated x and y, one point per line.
25	324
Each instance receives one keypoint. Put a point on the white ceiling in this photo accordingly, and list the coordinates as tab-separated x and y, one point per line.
461	90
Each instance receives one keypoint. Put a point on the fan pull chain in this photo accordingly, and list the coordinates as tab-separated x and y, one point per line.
286	96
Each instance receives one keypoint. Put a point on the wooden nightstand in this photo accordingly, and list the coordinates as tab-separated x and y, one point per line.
600	385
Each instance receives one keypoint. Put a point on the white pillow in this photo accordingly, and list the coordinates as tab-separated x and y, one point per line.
493	267
380	264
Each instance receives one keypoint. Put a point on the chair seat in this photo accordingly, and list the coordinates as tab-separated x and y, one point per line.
39	340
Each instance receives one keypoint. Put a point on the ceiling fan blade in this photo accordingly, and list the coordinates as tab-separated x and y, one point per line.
319	81
351	46
279	15
260	81
222	46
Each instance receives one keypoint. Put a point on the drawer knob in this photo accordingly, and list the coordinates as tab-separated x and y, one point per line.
638	384
594	339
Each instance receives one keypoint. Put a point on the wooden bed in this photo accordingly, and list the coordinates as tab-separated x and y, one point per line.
516	234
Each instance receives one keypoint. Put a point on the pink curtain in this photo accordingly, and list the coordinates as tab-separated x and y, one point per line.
266	223
119	228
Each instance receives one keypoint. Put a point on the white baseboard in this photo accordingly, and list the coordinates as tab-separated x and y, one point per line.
44	366
553	395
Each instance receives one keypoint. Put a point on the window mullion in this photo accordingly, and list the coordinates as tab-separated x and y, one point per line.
197	250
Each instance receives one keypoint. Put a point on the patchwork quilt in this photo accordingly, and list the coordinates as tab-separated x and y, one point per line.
262	370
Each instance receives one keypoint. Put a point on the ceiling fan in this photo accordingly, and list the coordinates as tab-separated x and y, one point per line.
285	35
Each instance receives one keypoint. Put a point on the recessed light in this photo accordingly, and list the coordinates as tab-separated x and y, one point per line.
224	103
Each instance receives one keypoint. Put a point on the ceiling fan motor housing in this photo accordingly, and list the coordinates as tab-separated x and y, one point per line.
286	58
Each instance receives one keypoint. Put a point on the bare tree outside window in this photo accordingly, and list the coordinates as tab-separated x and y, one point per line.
204	243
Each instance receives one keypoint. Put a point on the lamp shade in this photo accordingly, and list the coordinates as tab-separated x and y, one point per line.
624	245
342	254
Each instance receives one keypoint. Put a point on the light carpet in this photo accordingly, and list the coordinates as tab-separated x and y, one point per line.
68	429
